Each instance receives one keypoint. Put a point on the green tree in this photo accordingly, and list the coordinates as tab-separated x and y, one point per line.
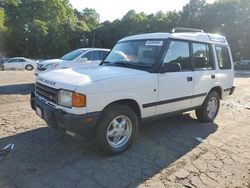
191	12
2	31
41	28
89	16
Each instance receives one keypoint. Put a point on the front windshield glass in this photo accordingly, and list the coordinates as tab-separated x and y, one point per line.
134	54
72	55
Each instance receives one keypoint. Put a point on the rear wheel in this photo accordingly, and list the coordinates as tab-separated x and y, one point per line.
210	108
29	67
116	129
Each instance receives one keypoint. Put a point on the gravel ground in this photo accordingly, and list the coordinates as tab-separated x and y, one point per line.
174	152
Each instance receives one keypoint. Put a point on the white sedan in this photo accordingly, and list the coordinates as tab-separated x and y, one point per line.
20	63
83	57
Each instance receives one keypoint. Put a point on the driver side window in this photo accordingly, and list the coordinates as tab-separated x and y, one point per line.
178	52
87	55
92	56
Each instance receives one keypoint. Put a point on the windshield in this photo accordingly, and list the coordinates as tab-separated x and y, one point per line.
134	54
72	55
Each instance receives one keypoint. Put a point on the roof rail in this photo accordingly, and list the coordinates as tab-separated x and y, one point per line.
186	29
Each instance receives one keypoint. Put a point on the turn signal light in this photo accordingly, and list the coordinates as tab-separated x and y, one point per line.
78	100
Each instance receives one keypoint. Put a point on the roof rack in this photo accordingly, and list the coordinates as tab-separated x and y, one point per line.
216	38
186	29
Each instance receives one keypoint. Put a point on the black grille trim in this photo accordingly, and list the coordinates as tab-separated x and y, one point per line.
47	92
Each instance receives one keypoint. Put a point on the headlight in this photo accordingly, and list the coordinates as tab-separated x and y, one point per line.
69	99
51	65
65	98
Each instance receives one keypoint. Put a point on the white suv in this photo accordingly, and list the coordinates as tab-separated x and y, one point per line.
144	77
81	57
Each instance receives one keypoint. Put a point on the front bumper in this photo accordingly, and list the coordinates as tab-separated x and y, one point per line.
58	118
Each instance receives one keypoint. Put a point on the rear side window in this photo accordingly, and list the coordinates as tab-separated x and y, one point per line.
201	56
223	57
178	52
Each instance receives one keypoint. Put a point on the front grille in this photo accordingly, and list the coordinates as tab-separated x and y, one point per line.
46	92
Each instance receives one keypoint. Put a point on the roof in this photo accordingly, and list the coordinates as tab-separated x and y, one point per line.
193	36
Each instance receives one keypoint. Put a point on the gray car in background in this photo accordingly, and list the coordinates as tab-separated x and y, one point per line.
20	63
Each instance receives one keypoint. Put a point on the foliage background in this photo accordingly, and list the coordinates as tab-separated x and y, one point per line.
50	28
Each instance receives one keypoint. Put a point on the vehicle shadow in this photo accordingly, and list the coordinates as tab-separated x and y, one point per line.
17	89
45	158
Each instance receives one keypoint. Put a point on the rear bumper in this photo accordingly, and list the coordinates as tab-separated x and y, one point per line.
58	118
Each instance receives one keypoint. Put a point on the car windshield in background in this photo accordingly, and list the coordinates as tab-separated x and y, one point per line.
134	54
72	55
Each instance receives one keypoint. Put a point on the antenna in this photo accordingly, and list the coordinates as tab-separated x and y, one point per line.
186	29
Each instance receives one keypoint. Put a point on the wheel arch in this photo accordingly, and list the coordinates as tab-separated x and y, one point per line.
133	104
217	89
28	64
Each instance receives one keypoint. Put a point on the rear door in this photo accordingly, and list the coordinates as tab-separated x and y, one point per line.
176	88
225	71
204	71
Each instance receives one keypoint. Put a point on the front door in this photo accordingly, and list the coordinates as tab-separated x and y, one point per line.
176	88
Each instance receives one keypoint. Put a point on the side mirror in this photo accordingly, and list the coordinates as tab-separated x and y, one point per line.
170	67
83	59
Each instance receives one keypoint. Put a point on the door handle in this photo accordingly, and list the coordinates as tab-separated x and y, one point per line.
212	76
189	79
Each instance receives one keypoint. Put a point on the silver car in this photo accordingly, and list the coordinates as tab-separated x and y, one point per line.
20	63
81	57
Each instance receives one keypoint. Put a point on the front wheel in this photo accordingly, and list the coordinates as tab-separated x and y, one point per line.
210	108
29	67
116	129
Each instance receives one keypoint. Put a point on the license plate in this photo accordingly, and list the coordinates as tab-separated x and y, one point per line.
39	112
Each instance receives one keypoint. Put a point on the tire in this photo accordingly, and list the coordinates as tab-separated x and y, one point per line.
29	67
116	129
209	109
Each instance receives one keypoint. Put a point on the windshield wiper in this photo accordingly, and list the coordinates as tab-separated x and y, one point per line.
128	64
123	63
105	62
141	64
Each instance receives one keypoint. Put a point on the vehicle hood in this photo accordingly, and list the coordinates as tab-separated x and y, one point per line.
71	78
50	61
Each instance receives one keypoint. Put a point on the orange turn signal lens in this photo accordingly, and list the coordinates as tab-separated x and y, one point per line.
78	100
